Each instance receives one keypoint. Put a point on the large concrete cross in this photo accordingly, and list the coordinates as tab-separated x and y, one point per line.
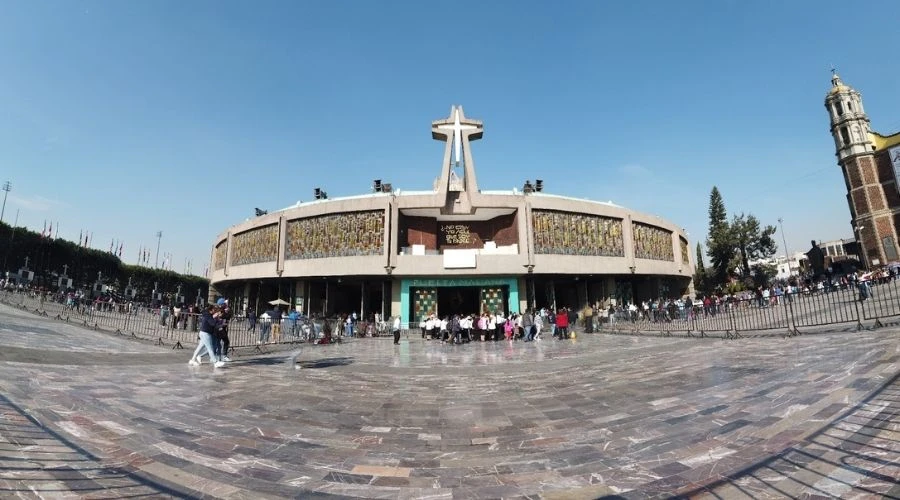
457	129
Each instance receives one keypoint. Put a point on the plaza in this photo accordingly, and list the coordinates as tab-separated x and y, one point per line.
90	414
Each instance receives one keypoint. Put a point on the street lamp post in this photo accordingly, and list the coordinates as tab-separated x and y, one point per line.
861	251
158	240
787	254
7	187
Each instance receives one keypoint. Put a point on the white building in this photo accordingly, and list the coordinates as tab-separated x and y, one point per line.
785	267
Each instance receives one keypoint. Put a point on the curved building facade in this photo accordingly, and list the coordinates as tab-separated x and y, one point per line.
451	249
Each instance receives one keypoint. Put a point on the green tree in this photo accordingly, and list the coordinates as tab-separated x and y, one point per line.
763	274
701	279
719	241
49	258
718	217
700	266
751	240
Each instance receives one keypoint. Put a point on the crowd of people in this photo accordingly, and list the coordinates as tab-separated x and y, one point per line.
527	326
776	294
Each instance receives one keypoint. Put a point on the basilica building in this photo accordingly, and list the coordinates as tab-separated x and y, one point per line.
452	248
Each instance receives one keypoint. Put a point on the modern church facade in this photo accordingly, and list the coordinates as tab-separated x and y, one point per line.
452	249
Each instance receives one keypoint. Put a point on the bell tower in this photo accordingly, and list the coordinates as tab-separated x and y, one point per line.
870	213
849	122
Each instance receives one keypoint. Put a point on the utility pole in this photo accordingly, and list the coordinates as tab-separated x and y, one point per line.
787	256
7	187
158	240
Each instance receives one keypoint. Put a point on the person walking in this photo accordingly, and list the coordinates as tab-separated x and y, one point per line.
251	321
209	323
396	329
528	325
222	341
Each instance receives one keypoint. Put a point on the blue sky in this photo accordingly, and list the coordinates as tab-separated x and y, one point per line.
125	118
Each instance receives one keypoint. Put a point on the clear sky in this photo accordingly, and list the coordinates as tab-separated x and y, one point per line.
126	118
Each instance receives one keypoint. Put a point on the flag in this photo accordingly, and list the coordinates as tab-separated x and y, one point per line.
111	245
56	236
80	234
44	231
50	232
121	246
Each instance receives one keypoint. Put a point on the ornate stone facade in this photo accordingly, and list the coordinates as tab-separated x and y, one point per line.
651	242
567	233
219	255
350	234
256	245
685	257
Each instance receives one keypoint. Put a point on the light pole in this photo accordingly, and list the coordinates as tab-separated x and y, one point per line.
158	240
861	251
787	254
7	187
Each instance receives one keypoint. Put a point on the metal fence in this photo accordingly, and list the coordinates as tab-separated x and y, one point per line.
788	314
178	330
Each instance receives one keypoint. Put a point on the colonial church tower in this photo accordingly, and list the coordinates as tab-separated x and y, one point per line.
870	179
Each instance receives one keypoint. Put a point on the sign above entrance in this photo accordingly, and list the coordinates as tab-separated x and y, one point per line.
459	282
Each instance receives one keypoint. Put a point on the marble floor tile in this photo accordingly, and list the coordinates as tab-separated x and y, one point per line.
85	414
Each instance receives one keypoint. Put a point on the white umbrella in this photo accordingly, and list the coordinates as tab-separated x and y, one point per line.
279	302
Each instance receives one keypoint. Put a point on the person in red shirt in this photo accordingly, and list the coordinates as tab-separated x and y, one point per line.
562	324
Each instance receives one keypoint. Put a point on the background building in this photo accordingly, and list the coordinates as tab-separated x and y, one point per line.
453	248
870	163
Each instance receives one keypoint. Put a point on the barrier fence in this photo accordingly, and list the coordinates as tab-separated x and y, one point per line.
789	314
182	329
870	302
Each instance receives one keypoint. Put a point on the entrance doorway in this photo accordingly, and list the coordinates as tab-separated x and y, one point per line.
459	300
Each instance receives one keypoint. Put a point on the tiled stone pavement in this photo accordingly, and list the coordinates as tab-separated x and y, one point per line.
91	415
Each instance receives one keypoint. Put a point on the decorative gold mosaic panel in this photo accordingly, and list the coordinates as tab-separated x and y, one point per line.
219	255
492	300
425	304
336	235
255	245
685	258
651	242
566	233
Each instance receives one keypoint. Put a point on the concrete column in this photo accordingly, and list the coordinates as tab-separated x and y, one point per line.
396	299
628	242
279	257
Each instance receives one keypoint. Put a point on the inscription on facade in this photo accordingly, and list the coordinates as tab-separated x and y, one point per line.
456	234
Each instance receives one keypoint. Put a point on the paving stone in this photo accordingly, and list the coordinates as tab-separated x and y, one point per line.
101	416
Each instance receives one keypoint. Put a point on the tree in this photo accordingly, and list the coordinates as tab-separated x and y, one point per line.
700	266
48	256
762	275
751	241
718	218
701	277
719	242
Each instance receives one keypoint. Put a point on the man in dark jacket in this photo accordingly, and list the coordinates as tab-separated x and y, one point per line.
222	333
209	324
